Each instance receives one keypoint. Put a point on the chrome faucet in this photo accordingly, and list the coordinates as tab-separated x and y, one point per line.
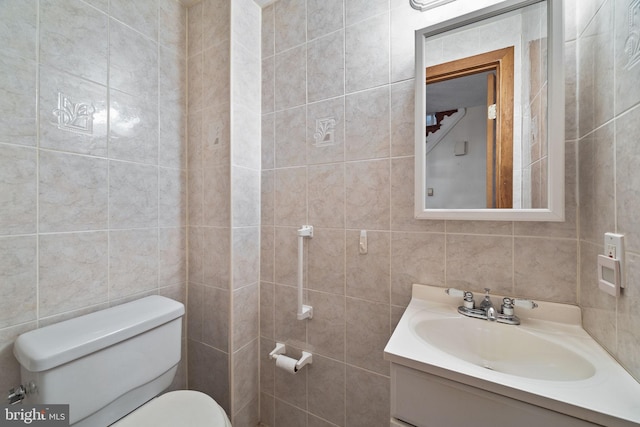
487	306
486	309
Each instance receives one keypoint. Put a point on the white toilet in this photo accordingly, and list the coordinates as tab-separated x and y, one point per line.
110	365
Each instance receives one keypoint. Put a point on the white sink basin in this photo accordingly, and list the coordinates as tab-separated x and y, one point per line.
548	360
504	348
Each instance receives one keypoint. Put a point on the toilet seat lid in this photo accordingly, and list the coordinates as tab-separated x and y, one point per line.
177	408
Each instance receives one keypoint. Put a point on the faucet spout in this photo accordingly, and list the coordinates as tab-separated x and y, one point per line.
491	314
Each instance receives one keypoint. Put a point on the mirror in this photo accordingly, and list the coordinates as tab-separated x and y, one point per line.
490	115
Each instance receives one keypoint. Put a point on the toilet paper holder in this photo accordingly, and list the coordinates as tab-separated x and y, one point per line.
281	349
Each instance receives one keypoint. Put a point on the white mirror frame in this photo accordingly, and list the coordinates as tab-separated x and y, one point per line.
555	118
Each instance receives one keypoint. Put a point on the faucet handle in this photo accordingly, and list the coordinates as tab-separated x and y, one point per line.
524	303
452	292
465	295
507	306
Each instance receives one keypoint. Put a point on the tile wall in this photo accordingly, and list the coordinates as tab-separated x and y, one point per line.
224	204
608	69
92	212
337	153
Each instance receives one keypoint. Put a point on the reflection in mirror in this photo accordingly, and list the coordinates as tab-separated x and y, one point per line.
486	145
480	173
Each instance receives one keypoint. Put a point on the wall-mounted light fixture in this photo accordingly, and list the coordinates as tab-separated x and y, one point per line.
423	5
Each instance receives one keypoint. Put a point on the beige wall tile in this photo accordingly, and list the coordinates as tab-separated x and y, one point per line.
172	25
140	15
289	24
478	262
172	256
133	125
246	319
246	256
267	310
291	196
216	75
216	197
287	415
267	251
268	141
18	189
18	274
287	327
627	179
80	45
367	53
18	78
267	198
325	67
195	311
598	308
290	137
367	132
245	375
215	317
326	261
216	135
368	275
416	258
72	192
209	372
597	184
286	255
367	333
133	261
326	331
290	74
268	31
216	19
327	389
245	198
324	17
267	409
72	271
133	61
18	35
402	120
546	269
133	195
628	318
367	194
363	388
172	197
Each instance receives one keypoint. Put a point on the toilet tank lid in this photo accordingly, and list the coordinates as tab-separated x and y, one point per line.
56	344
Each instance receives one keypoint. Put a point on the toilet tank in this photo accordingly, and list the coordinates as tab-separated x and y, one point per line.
104	364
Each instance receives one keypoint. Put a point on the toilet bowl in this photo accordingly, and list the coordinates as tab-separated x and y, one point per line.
111	367
177	408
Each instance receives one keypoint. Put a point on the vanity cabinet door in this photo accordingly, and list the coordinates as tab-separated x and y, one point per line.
426	400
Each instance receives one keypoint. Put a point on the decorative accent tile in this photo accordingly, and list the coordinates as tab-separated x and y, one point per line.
324	132
74	117
632	44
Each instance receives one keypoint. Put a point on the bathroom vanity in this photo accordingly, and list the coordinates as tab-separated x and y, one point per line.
452	370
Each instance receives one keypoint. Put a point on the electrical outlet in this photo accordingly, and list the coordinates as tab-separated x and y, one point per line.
614	248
